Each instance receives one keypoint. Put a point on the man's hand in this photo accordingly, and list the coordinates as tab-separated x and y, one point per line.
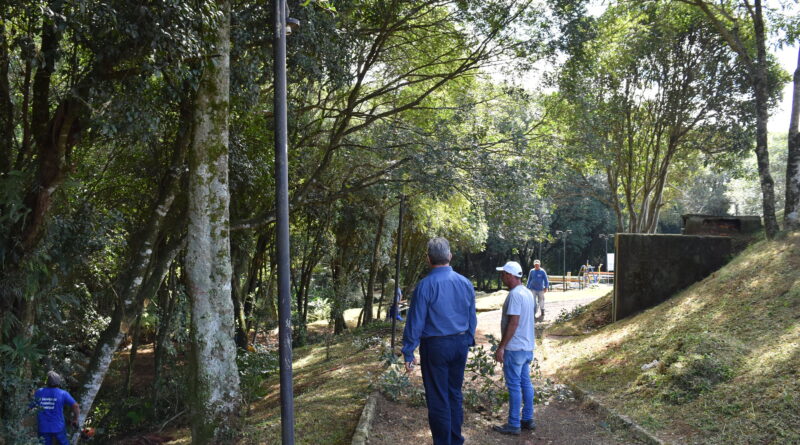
410	365
498	354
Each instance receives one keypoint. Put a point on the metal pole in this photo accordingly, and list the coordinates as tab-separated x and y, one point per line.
282	226
564	260
395	309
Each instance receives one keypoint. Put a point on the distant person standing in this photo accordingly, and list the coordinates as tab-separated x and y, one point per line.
51	402
394	309
515	350
538	285
442	321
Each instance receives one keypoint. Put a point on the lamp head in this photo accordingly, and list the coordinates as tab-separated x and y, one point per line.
292	25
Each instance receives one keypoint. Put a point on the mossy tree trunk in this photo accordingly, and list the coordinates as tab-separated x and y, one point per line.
791	215
373	269
216	398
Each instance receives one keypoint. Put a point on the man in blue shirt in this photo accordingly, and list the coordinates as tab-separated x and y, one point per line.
50	402
442	321
538	284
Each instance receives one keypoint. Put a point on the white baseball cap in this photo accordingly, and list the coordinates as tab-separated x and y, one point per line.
511	267
537	262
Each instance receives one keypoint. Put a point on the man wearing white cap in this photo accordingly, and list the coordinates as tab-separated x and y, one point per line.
515	350
538	284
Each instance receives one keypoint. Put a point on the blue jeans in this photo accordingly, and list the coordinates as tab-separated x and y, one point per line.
443	361
54	438
517	373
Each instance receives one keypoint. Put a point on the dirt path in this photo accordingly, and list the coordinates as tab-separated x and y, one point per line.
560	420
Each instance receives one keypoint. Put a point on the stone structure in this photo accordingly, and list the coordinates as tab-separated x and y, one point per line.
720	225
651	268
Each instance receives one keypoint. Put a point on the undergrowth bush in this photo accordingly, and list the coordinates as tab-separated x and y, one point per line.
565	315
484	392
254	368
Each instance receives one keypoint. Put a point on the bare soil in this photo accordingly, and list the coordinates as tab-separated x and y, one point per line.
557	423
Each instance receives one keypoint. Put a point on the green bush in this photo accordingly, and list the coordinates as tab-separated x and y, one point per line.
565	315
483	392
254	368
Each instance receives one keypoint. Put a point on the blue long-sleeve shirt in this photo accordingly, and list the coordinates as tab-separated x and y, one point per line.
443	304
537	279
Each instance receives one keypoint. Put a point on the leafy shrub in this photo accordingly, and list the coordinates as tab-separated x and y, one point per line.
254	368
483	392
19	426
364	342
394	383
566	315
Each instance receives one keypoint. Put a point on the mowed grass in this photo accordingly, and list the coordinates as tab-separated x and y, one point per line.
330	389
727	352
331	385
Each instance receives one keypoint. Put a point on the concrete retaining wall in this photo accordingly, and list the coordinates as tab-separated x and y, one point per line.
651	268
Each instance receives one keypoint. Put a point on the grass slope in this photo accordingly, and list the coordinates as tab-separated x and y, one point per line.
330	384
724	355
329	392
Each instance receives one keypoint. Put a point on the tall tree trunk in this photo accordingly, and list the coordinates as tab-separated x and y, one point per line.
167	300
238	295
129	305
143	274
791	215
6	111
373	270
217	399
137	328
760	77
383	294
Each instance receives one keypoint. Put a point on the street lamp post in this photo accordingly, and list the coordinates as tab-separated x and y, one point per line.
563	235
606	237
396	300
281	25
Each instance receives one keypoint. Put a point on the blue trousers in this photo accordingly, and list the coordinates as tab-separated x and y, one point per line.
443	362
517	373
54	438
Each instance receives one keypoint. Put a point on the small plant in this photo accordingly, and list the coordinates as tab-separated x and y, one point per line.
394	384
366	341
254	368
565	315
484	391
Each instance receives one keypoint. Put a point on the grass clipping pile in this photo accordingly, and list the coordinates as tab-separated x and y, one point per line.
583	319
715	364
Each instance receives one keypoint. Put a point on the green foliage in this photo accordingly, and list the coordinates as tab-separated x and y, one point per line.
19	425
483	392
255	367
567	315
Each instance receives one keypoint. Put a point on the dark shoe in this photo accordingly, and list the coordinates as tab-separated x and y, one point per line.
506	429
527	425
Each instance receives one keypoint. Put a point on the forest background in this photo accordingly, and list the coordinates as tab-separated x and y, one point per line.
136	170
